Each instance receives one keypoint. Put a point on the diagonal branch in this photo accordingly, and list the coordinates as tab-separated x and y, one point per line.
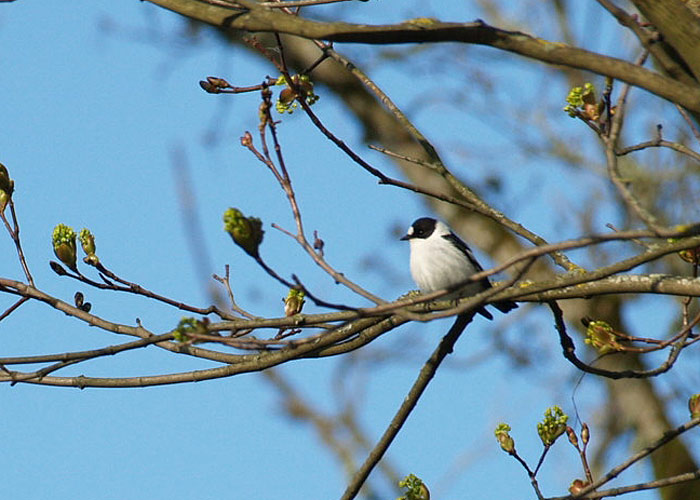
424	377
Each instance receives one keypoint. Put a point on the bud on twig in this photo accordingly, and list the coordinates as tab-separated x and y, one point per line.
694	405
57	268
601	336
504	438
415	488
585	434
690	255
7	187
214	85
553	425
188	326
577	485
582	102
303	89
63	239
294	302
246	232
247	140
87	242
80	303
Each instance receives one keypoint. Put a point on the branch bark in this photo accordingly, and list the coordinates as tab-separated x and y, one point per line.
251	17
679	28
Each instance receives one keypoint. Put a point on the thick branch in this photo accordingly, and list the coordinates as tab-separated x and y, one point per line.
256	18
679	27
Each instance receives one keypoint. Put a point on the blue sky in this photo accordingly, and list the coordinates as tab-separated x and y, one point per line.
98	99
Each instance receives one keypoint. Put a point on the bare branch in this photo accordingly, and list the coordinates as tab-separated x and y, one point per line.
424	377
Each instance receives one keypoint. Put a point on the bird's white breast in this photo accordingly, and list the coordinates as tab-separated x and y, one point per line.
437	264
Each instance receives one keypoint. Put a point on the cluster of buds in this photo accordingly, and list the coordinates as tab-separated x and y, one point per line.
64	247
303	89
573	439
601	336
79	300
577	485
188	326
504	438
294	301
7	187
415	488
214	85
246	232
582	103
553	425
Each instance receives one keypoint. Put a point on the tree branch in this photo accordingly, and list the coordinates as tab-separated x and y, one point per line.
424	377
252	17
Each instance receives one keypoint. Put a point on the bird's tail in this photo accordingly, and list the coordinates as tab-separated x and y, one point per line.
505	305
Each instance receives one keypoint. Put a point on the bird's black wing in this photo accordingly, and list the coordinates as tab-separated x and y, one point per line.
503	306
464	248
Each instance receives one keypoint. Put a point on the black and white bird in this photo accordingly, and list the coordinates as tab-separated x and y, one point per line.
440	260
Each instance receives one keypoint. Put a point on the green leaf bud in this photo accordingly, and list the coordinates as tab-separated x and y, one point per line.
246	232
87	242
504	438
64	245
601	336
690	255
553	425
415	488
187	326
694	406
304	90
7	187
294	302
582	101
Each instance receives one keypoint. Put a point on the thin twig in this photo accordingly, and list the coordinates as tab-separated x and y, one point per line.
610	142
660	143
14	234
226	282
424	377
667	437
568	349
693	127
13	307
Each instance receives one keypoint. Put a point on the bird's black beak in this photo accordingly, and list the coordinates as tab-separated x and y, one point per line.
405	237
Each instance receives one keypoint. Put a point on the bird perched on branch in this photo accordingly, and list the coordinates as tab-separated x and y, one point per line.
440	260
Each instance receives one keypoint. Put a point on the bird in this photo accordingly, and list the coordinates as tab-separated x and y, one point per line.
440	259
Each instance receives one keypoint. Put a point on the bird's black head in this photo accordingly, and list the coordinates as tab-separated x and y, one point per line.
421	228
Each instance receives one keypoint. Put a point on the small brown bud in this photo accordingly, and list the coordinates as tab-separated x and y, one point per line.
247	140
577	485
218	82
585	433
208	87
